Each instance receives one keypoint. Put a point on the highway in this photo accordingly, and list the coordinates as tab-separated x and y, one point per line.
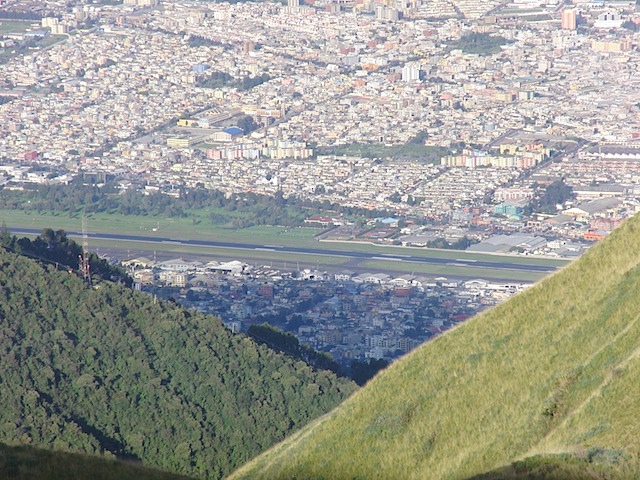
458	262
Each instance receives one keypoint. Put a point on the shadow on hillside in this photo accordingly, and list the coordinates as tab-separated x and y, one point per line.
29	463
608	464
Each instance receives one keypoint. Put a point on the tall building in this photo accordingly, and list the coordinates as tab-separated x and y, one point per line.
248	46
142	3
59	29
611	46
410	73
569	19
386	13
49	21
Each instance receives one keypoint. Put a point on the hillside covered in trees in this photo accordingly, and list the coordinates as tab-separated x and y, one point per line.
57	249
104	369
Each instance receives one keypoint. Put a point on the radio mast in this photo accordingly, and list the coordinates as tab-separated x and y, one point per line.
85	271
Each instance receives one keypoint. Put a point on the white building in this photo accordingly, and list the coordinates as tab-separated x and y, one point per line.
410	73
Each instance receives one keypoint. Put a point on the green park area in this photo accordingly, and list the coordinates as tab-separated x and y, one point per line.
482	44
17	26
408	152
24	46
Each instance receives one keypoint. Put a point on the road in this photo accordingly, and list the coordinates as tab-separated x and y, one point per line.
459	262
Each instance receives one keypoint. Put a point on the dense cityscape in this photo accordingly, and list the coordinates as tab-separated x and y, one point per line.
492	127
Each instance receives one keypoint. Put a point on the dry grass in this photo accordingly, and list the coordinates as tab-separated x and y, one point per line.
555	369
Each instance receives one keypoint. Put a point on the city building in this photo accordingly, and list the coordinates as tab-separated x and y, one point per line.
569	19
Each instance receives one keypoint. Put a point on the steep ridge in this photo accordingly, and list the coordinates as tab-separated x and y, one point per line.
555	369
104	369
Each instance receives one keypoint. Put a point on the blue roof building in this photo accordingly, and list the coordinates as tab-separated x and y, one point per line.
234	131
227	135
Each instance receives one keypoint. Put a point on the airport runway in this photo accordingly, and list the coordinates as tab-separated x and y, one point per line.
458	262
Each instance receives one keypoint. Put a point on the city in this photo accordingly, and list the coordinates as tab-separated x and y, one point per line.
329	239
506	128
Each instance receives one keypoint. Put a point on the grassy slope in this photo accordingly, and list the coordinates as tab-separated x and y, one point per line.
553	370
28	463
562	467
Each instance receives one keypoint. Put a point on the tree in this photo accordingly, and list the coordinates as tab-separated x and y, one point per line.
556	193
142	379
247	123
419	138
363	371
479	43
48	236
5	235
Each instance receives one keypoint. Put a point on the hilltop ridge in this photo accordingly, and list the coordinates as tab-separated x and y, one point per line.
553	370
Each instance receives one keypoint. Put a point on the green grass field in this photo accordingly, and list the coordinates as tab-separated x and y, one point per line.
215	253
554	370
176	228
523	11
453	271
52	40
17	26
408	151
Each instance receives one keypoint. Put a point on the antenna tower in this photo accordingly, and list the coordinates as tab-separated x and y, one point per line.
84	257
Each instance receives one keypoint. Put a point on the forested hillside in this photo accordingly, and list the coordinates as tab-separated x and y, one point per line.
56	248
105	369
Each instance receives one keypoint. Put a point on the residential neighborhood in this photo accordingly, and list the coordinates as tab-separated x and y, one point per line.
331	100
352	316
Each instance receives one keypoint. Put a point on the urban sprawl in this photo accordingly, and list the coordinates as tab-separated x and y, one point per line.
500	127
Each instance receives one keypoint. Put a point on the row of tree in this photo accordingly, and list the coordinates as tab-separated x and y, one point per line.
223	79
459	244
237	211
